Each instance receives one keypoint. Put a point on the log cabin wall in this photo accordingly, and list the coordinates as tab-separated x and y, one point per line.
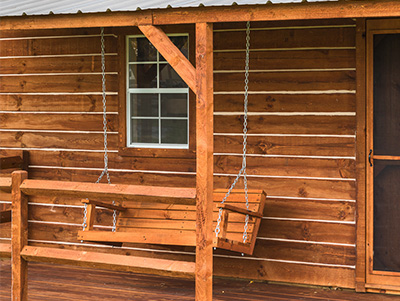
301	141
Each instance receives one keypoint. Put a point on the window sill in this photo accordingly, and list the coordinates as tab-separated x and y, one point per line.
156	153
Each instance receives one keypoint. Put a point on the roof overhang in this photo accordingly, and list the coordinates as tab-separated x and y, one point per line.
236	13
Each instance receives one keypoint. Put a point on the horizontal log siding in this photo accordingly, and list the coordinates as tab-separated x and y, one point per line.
301	141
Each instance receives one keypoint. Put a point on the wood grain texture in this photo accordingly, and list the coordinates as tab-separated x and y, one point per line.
5	252
30	33
280	60
287	81
204	160
57	83
287	38
90	141
286	187
286	103
297	167
69	45
110	191
273	24
68	64
305	231
292	146
361	157
295	11
5	184
94	159
49	282
289	187
275	208
57	103
108	261
89	20
19	237
338	125
77	122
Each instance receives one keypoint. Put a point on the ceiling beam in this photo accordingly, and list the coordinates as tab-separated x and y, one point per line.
80	20
235	13
278	12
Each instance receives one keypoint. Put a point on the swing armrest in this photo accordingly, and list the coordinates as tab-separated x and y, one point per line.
240	210
105	205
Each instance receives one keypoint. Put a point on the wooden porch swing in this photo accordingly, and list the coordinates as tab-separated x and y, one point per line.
166	216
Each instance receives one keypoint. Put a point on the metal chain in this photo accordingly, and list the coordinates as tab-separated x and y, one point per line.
105	170
242	171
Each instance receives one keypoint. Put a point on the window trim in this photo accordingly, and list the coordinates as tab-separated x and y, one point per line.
158	91
186	153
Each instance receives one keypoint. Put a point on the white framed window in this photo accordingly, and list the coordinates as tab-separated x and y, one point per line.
157	98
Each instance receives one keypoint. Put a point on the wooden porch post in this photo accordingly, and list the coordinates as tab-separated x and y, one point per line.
19	238
204	160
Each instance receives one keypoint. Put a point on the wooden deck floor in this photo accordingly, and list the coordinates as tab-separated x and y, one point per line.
51	282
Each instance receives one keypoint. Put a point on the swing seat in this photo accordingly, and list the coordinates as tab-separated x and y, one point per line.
173	223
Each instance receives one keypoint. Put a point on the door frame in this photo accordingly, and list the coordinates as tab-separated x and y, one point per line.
375	280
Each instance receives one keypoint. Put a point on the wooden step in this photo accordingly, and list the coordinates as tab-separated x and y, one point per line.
110	261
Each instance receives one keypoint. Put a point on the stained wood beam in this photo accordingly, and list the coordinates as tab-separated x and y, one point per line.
172	54
87	20
279	12
109	261
153	194
19	237
204	161
267	12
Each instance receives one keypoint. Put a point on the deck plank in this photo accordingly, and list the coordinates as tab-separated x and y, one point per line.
55	282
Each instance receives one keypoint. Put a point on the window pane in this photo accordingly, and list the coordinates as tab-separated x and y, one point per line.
174	131
144	105
169	78
386	216
181	43
141	50
143	76
144	131
387	94
174	105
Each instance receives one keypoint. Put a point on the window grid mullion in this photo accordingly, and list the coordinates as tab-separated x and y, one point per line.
159	118
158	91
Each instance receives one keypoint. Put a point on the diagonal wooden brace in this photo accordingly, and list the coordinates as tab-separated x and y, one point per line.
172	54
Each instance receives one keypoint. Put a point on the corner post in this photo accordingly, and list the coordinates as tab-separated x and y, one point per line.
361	159
204	160
19	230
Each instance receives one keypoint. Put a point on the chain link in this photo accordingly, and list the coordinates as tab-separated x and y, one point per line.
242	171
105	170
